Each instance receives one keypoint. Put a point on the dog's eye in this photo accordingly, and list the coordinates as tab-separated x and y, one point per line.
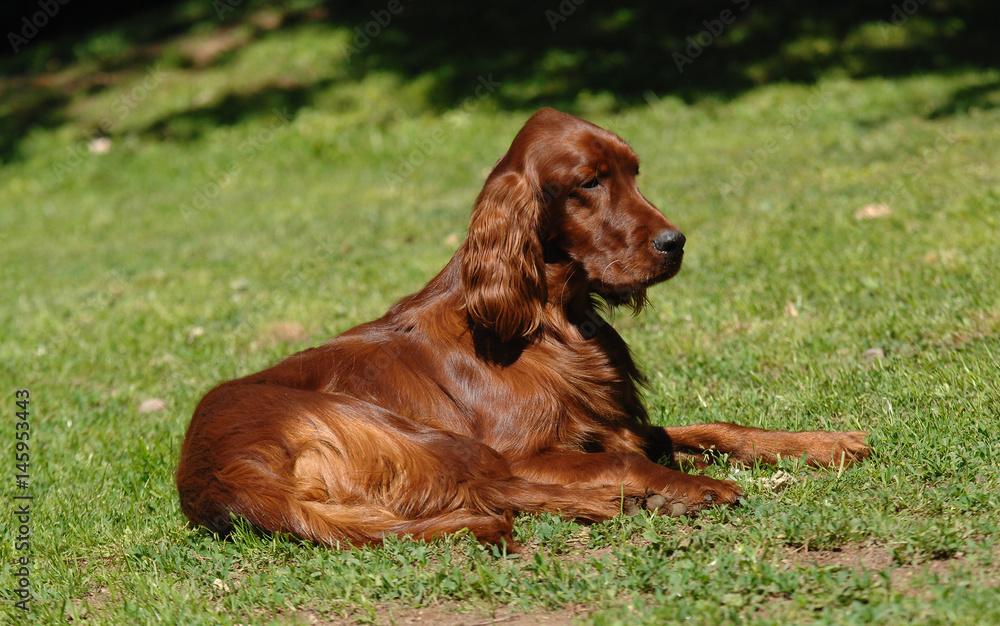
590	184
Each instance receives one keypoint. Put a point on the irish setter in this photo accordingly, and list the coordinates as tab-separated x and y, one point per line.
499	387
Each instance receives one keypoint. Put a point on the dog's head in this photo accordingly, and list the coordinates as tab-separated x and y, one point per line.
564	193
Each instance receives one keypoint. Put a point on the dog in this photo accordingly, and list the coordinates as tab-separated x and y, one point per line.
498	388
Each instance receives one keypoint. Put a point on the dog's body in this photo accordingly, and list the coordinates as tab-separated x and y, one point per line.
498	388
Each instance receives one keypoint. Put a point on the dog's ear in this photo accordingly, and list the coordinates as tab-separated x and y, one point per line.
503	272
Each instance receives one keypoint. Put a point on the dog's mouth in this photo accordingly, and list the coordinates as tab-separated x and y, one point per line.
672	265
633	293
642	275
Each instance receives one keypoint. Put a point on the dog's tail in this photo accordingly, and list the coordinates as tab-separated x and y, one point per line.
483	507
275	509
330	469
339	471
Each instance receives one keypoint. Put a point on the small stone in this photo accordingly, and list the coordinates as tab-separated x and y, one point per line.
99	145
874	354
872	212
152	405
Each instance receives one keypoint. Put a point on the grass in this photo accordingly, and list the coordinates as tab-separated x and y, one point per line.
202	247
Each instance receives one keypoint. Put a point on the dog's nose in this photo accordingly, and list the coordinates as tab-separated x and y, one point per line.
670	242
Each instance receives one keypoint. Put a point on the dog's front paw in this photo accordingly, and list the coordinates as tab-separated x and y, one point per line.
695	493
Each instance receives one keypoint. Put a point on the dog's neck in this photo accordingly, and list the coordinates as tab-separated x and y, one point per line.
567	287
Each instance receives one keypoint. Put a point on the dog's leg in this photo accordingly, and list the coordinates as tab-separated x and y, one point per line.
687	491
745	444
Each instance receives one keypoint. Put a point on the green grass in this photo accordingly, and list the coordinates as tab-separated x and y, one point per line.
176	260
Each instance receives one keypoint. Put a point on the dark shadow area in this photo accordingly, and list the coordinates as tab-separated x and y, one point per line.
36	108
278	101
104	38
984	96
554	53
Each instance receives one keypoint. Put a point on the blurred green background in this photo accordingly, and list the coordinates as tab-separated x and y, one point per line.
561	53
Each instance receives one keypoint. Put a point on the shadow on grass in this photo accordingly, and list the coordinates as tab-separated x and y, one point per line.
557	53
982	96
282	101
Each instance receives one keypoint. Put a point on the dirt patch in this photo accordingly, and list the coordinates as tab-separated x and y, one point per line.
442	616
906	579
94	602
871	557
281	333
862	557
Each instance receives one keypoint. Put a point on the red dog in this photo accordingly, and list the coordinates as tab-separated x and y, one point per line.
498	388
